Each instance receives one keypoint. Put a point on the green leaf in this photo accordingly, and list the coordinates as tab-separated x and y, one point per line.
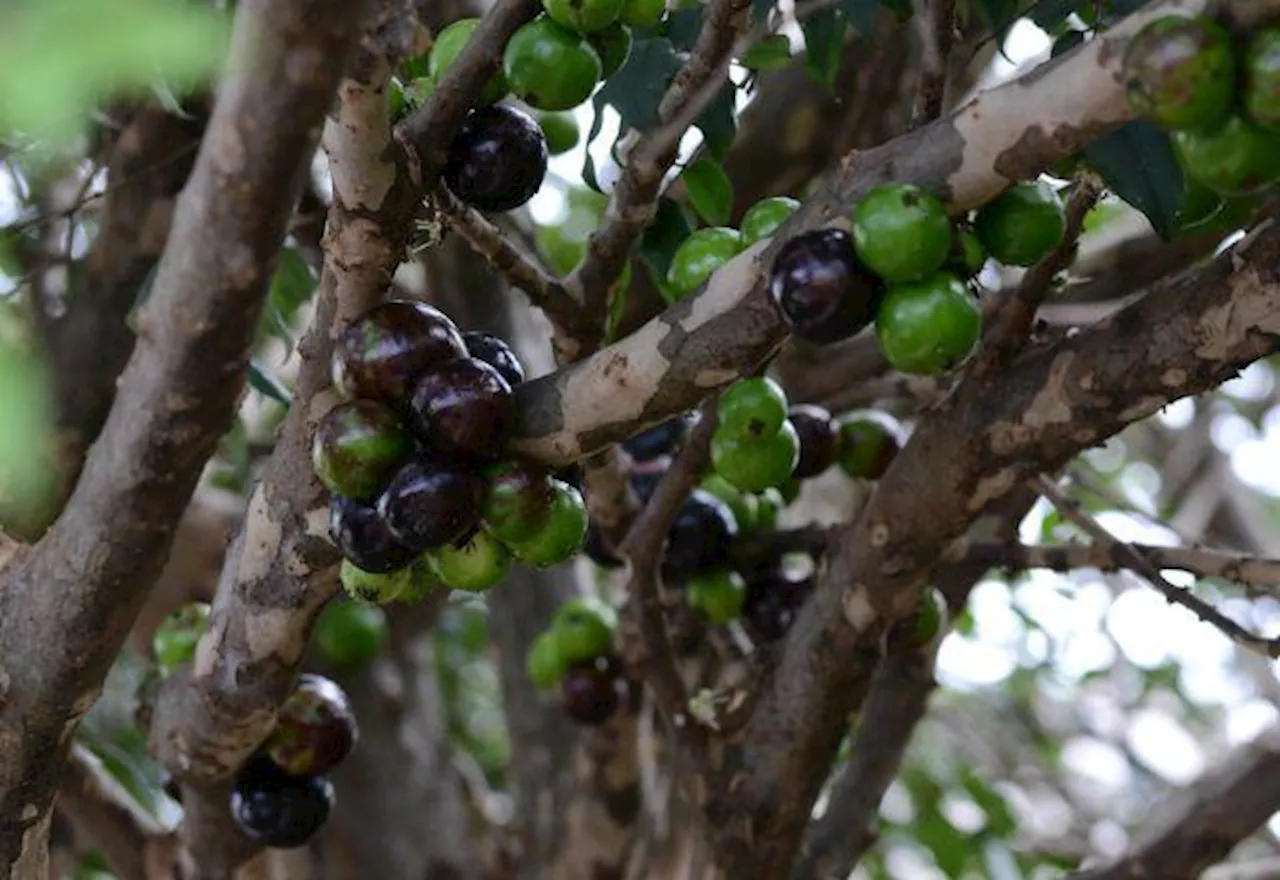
710	191
266	384
292	285
617	305
27	472
771	53
669	229
636	90
861	14
718	123
823	42
1138	164
683	26
760	9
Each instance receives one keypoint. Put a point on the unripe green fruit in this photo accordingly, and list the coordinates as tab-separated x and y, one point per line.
175	639
449	45
379	589
613	45
643	13
561	132
868	444
544	663
583	16
562	534
929	326
901	232
1236	160
478	565
1180	73
699	256
550	67
756	465
350	633
744	506
584	629
769	504
751	408
357	447
764	217
720	595
518	501
1021	225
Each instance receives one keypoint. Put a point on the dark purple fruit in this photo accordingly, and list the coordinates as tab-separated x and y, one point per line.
431	503
495	352
661	439
497	159
278	810
773	600
315	730
364	537
700	536
817	432
823	293
463	407
384	351
590	692
357	446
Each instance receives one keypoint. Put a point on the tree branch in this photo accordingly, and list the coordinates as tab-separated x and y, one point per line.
82	586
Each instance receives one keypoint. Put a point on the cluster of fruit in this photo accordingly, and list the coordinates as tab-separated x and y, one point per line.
576	654
1218	96
282	796
707	249
413	458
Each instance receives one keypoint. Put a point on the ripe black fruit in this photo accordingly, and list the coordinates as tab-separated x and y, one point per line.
497	159
364	537
463	407
773	599
315	730
661	439
700	536
822	291
278	810
590	692
495	352
431	503
817	432
384	350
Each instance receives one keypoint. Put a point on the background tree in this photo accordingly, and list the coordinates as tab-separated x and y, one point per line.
1032	634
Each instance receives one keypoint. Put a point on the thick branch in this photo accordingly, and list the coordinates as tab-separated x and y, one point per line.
83	585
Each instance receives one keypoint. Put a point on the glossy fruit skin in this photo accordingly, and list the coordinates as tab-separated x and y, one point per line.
432	502
365	538
699	256
544	664
1236	160
278	810
583	628
1261	94
756	465
768	504
463	408
751	408
700	536
817	432
967	256
561	535
497	160
901	232
821	290
1022	224
742	505
643	13
350	633
929	326
561	133
773	599
867	446
479	565
589	692
357	446
763	218
613	45
518	500
385	349
367	586
662	439
174	640
315	729
550	67
449	43
583	16
495	352
720	595
1180	73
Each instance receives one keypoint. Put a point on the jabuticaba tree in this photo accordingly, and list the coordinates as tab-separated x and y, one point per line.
637	539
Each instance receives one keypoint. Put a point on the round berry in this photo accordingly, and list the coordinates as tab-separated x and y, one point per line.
773	599
643	13
449	45
769	504
901	232
174	640
561	133
561	535
590	692
550	67
928	326
278	810
518	500
763	218
662	439
498	159
348	633
822	292
544	664
699	256
464	407
476	566
967	255
613	45
817	433
495	352
699	537
742	505
1262	78
750	409
384	350
719	594
1180	73
583	16
363	536
1021	225
431	503
755	465
357	446
583	629
315	729
868	444
1237	159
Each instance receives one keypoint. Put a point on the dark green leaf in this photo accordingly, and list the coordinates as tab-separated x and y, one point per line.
1051	14
293	282
617	306
760	9
669	229
718	124
861	14
683	26
824	39
266	384
771	53
1138	163
710	191
1000	15
636	90
1066	43
589	163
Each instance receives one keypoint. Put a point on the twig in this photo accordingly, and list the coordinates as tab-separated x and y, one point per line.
1139	563
936	20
